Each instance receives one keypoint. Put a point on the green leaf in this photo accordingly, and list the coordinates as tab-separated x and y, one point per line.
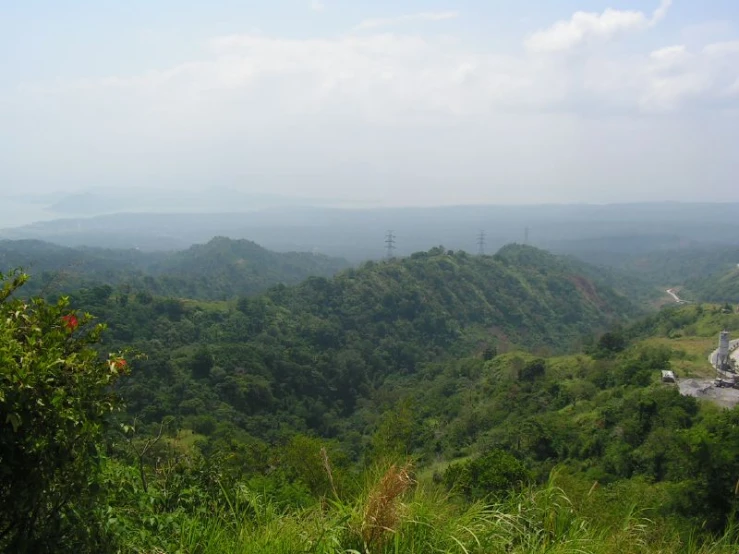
15	420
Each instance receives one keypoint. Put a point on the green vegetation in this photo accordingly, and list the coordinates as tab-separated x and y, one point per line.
674	267
438	403
221	269
224	268
722	286
54	399
302	358
707	274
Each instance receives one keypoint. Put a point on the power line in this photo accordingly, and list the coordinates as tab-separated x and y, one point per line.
389	244
481	243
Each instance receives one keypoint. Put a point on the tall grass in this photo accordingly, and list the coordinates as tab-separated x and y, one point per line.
396	515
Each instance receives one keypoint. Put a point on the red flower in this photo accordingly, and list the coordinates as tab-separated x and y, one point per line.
120	364
70	322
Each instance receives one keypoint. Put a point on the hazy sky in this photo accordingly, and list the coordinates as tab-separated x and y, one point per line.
405	102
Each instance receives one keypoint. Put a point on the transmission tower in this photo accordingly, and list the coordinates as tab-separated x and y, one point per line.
481	243
526	236
389	244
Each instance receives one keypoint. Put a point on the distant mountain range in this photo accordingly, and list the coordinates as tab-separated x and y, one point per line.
600	234
220	269
96	202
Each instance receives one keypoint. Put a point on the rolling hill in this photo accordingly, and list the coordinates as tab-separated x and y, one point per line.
308	353
220	269
722	286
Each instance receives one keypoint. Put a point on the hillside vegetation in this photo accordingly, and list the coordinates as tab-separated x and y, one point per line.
679	266
704	274
222	268
442	402
722	286
305	355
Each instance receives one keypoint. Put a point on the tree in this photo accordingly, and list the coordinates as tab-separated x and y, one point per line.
392	439
310	461
495	474
611	344
201	363
489	353
55	393
533	370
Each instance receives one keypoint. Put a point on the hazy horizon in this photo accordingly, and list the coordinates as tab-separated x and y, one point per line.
381	103
27	209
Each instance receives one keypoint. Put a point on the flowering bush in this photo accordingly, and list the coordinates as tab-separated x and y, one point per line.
70	322
55	394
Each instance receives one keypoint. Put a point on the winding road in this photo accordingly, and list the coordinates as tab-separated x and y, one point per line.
674	295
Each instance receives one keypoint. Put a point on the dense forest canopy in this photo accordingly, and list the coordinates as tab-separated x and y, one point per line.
722	286
311	351
221	269
446	401
707	273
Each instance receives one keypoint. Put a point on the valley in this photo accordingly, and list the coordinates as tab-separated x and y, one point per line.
433	365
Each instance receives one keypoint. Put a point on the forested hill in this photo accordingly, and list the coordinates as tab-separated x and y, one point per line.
673	267
222	268
698	267
722	286
39	257
707	274
243	417
625	283
308	353
521	295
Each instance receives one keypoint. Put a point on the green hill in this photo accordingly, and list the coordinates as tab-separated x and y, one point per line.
677	267
308	353
220	269
603	417
224	268
703	273
408	406
722	286
39	257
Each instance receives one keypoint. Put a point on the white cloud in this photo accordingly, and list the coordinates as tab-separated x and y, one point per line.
426	108
661	12
668	80
722	48
378	78
669	54
670	58
317	6
589	26
423	16
666	93
387	77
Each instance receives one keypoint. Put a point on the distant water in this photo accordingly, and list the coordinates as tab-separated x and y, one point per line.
15	214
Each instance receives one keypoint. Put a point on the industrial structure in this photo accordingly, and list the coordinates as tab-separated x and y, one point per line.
390	244
723	361
722	356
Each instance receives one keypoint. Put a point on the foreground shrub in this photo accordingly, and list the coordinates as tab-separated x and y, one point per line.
54	397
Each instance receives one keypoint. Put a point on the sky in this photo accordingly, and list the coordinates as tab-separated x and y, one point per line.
403	102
